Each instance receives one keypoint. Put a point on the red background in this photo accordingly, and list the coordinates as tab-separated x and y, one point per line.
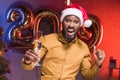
109	13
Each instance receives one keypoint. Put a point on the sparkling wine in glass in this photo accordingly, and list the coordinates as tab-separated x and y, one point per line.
37	45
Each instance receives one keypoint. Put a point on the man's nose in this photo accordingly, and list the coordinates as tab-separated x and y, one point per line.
71	24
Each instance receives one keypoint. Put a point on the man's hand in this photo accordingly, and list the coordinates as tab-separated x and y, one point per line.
99	56
31	56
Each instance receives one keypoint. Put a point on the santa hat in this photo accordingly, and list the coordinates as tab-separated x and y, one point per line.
77	10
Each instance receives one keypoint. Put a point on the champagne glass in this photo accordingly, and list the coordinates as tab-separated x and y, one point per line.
37	45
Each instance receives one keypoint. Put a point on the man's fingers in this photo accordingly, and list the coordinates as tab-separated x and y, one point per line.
30	54
98	53
94	51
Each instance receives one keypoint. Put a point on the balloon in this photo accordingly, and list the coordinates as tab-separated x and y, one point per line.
49	16
94	34
22	20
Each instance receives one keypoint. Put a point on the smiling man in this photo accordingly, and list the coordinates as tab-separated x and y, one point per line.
71	26
64	53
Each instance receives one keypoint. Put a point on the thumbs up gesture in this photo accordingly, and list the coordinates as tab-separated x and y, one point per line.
99	56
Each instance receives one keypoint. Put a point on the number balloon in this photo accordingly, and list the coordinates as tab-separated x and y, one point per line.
46	15
92	35
22	20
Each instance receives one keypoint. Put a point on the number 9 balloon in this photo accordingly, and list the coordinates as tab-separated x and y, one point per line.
94	34
22	20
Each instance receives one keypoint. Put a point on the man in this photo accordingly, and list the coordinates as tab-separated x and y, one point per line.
65	54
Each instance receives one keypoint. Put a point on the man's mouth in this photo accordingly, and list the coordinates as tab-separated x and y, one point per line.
70	31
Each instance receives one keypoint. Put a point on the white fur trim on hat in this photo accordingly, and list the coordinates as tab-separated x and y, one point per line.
72	11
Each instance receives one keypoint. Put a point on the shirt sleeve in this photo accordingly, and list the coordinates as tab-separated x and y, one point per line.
42	53
88	71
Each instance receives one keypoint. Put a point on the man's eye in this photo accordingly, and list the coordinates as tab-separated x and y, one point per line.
67	20
76	22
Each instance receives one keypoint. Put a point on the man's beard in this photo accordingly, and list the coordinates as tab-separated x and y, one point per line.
67	37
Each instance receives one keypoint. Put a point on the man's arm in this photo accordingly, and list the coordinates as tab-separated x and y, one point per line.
88	70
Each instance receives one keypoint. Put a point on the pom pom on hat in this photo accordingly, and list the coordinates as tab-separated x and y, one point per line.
75	9
87	23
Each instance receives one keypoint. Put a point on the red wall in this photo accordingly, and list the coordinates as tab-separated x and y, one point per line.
109	13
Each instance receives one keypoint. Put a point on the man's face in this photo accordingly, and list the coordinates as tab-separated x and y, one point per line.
71	25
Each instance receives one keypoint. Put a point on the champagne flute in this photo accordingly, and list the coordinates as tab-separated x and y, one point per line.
37	46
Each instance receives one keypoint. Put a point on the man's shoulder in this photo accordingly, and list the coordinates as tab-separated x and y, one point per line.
82	43
51	36
51	40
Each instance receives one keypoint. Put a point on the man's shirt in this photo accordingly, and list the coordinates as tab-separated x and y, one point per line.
63	60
